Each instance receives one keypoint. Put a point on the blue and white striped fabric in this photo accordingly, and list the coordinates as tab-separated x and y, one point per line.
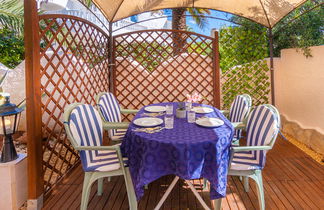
239	110
86	128
110	110
262	126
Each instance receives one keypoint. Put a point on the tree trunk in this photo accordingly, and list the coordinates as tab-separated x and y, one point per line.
179	19
179	23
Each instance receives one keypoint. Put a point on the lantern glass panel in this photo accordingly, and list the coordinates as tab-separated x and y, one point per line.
10	124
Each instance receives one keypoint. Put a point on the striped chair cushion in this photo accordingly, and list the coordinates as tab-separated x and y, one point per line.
119	134
262	126
239	110
86	128
110	110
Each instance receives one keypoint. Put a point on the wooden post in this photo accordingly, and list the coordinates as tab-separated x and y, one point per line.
33	102
273	99
111	60
216	77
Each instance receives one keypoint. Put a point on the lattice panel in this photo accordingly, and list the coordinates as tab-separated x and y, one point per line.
74	68
243	65
151	67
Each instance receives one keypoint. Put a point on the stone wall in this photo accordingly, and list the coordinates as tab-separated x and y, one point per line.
310	137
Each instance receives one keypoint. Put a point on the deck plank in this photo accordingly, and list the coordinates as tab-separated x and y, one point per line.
292	180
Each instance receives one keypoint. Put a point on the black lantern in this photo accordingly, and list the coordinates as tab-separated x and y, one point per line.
9	119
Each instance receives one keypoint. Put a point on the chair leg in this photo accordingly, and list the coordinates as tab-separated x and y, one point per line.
100	186
205	184
218	204
258	179
130	190
246	183
86	191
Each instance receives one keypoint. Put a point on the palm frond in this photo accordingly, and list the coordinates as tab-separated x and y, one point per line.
198	15
88	3
12	15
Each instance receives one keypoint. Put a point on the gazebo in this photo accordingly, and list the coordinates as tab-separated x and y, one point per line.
71	60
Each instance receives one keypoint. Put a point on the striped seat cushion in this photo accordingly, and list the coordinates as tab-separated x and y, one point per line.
110	110
245	161
262	126
239	110
86	128
119	134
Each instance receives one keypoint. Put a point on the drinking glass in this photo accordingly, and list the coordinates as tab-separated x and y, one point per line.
169	109
188	106
168	121
191	116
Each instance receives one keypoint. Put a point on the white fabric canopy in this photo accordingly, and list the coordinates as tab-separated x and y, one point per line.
265	12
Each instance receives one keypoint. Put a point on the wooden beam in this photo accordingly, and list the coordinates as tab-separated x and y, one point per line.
111	59
273	96
216	79
33	102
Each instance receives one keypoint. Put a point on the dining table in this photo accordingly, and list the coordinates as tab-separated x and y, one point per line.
188	151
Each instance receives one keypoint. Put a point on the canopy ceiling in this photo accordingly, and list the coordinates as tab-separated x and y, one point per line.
265	12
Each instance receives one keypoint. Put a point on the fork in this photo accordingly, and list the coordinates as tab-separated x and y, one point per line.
149	130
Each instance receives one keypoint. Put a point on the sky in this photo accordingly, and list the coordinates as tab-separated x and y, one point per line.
212	23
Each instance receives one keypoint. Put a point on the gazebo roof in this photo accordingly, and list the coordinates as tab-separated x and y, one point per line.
264	12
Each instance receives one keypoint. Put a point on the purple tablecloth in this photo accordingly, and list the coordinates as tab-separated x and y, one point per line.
188	151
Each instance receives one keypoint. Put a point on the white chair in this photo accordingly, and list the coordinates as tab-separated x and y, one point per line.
110	113
262	129
84	129
238	113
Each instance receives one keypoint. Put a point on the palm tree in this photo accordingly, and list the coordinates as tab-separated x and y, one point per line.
12	15
179	18
179	23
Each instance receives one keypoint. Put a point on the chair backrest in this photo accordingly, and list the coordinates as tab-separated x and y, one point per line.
239	110
109	109
84	128
262	129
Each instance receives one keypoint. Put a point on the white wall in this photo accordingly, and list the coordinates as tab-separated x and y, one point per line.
299	87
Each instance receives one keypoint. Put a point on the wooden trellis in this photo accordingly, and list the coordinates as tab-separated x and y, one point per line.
151	66
74	68
244	69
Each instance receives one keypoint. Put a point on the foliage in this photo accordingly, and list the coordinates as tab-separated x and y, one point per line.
151	54
148	54
242	63
12	15
306	31
202	48
60	35
239	46
297	30
198	15
88	3
11	48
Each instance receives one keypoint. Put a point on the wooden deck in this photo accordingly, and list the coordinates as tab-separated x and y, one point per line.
292	180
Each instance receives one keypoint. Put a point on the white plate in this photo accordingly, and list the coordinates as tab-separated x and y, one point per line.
148	121
155	108
202	109
209	122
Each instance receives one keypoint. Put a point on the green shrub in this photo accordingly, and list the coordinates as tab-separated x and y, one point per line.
11	48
